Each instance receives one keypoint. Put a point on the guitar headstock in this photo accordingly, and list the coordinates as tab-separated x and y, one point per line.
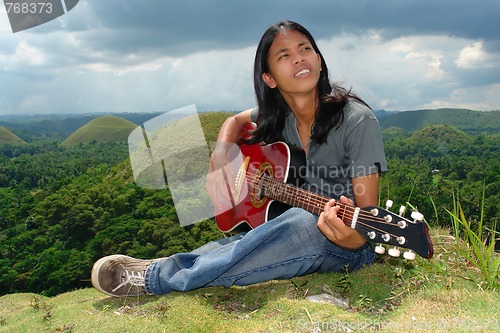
380	225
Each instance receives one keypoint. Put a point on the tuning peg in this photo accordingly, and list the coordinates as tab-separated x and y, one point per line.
388	204
417	217
410	255
402	210
394	252
379	249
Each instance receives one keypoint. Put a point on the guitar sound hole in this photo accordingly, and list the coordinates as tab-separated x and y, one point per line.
260	186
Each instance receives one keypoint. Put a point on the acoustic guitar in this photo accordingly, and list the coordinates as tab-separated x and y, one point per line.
268	181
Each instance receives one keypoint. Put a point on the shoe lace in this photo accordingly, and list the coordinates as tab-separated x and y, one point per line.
132	279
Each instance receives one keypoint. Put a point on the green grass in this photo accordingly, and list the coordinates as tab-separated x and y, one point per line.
443	294
7	137
478	246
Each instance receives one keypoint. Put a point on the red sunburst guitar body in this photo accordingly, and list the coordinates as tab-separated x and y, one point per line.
249	208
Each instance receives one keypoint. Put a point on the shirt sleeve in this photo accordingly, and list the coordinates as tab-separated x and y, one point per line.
365	145
254	114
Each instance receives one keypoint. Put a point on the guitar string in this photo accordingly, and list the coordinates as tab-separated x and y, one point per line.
349	209
312	204
314	200
318	198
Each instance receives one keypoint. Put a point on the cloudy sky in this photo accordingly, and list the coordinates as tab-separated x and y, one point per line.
152	55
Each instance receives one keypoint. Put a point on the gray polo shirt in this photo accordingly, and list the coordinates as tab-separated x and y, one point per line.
354	149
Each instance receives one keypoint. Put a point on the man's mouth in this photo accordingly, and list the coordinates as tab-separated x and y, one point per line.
302	72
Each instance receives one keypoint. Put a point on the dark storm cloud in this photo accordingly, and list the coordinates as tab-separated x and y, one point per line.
115	55
182	27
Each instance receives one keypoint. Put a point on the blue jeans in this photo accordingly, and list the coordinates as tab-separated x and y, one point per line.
287	246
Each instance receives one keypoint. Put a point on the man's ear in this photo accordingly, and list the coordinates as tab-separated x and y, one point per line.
268	79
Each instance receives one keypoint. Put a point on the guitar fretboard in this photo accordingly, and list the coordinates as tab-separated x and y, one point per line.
295	196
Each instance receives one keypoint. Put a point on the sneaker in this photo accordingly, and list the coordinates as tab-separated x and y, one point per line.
120	275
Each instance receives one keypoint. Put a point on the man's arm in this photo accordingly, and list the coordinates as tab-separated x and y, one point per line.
365	190
229	135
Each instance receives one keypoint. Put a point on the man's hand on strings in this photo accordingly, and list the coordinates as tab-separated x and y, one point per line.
330	224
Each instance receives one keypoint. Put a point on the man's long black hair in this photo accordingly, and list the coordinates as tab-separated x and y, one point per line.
272	106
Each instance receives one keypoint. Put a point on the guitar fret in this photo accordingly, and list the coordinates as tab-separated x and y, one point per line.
294	196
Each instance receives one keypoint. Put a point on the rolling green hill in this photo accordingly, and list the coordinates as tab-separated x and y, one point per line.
441	135
7	137
102	129
472	122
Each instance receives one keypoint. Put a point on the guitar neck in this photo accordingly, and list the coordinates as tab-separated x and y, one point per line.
375	223
297	197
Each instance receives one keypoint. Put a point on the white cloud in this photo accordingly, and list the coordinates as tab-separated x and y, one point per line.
490	95
214	80
406	73
35	103
430	62
467	99
472	56
24	55
121	70
29	54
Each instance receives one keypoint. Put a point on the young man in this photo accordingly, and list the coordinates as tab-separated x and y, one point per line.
297	104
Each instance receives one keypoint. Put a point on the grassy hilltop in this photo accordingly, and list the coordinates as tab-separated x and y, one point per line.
7	137
102	129
64	206
443	294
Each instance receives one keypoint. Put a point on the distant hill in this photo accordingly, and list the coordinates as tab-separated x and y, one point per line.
441	135
102	129
472	122
60	126
382	113
7	137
